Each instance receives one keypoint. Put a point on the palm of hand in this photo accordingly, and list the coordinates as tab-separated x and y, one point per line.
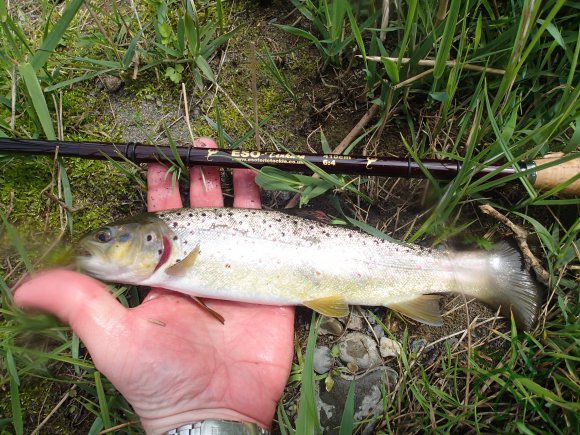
198	362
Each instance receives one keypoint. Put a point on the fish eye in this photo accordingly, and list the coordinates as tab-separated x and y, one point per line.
103	235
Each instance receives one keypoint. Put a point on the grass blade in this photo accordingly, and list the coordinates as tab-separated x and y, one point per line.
347	421
16	407
38	100
103	405
49	44
447	40
307	419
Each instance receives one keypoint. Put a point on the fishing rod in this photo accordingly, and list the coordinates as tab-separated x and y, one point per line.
548	176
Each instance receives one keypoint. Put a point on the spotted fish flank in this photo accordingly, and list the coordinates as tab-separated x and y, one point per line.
270	257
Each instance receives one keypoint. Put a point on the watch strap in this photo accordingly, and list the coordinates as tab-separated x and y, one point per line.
219	427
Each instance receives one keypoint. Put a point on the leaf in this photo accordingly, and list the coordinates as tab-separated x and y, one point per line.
37	97
441	96
50	43
205	68
324	142
192	35
392	70
347	420
447	40
574	141
16	407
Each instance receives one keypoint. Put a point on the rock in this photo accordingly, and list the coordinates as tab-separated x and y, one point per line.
417	345
367	398
322	360
330	326
388	347
355	323
359	349
109	83
379	331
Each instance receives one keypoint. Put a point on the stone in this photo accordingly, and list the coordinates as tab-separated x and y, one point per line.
322	362
379	331
417	345
331	326
355	322
389	347
109	83
367	398
359	349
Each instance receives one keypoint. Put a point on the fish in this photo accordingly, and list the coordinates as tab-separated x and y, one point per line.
271	257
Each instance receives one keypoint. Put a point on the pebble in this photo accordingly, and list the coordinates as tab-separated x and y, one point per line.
417	345
322	362
389	347
359	349
330	326
379	331
109	83
355	323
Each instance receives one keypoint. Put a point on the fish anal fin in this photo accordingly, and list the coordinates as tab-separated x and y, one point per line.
424	309
180	268
209	310
331	306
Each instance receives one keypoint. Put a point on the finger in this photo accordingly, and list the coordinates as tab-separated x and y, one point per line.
205	188
161	193
82	302
246	191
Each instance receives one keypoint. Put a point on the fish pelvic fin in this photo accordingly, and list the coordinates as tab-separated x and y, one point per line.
182	267
510	287
331	306
424	309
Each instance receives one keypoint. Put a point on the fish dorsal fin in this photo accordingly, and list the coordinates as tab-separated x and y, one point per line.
331	306
180	268
424	309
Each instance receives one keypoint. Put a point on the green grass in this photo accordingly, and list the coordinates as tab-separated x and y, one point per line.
494	376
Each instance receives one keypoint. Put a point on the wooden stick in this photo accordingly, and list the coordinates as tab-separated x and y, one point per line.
431	63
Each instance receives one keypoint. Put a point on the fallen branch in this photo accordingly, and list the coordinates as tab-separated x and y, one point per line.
431	63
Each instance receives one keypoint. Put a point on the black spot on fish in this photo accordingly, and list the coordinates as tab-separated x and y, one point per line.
203	214
220	214
228	266
311	227
178	213
149	237
230	213
283	234
245	214
253	212
178	260
185	242
190	215
160	252
174	237
174	224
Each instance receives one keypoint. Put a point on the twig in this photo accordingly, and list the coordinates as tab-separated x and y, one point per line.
521	237
431	63
343	144
51	413
119	426
13	102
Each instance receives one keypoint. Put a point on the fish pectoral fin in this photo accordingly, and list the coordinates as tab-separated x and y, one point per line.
331	306
424	309
209	310
180	268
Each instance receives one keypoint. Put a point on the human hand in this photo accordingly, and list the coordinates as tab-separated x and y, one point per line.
173	361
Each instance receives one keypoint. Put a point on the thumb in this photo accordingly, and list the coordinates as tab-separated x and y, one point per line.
82	302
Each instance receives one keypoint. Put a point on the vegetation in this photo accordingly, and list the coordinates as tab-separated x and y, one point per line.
478	82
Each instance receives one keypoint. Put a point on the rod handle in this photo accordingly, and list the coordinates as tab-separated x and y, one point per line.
554	175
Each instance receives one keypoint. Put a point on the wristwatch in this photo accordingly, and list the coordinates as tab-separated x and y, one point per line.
219	427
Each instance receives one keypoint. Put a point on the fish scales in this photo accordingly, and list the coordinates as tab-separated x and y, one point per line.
271	257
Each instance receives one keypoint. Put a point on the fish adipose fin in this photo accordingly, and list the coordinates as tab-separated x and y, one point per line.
331	306
424	309
182	267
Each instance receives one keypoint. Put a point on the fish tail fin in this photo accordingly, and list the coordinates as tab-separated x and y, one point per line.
510	286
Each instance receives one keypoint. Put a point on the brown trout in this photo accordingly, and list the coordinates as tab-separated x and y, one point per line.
270	257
